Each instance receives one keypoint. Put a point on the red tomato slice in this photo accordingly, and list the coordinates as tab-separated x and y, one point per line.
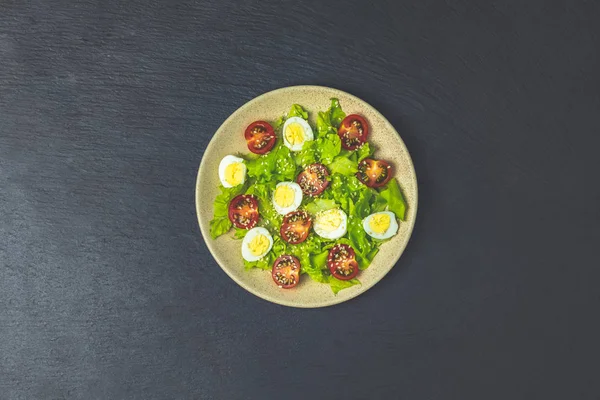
313	180
353	132
295	227
260	137
243	211
341	262
374	173
286	271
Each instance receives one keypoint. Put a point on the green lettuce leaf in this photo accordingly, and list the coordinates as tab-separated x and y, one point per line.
358	239
239	233
219	226
315	273
298	111
344	166
319	205
394	199
220	223
278	123
269	218
336	115
265	263
337	285
308	154
379	204
329	121
364	151
278	165
319	260
327	147
362	206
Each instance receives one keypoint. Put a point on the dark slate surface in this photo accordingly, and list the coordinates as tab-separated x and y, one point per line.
107	290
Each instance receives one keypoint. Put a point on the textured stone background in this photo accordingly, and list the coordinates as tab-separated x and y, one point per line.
107	290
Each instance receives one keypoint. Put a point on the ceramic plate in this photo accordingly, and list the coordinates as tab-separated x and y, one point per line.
229	139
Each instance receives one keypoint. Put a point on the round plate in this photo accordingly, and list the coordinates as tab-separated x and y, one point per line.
229	139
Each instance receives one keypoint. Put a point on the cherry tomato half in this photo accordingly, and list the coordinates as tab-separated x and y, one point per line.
313	180
374	173
260	137
243	211
341	262
353	132
295	227
286	271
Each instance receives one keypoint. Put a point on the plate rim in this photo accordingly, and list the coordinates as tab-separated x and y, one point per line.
335	299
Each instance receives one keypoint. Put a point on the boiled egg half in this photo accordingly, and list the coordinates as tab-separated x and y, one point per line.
287	197
331	224
296	131
256	244
232	171
381	225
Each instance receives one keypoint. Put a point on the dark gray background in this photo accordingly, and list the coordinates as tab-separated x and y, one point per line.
107	290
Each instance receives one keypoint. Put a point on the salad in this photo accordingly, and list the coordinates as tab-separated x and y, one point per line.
308	202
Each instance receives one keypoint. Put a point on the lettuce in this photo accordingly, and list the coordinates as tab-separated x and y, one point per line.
297	111
278	124
318	205
345	191
306	156
327	147
264	263
379	204
362	206
219	226
220	223
394	199
336	115
315	266
337	285
329	121
275	166
344	166
323	150
239	233
270	219
364	151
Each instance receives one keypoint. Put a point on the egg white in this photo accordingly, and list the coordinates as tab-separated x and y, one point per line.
390	231
308	133
252	233
225	162
297	198
334	234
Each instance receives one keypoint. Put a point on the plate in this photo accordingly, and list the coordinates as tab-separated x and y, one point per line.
229	139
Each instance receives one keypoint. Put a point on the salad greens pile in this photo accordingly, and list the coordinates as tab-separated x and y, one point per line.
344	191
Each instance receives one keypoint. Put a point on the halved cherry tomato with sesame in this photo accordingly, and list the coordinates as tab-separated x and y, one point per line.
341	262
353	132
286	271
243	211
295	227
260	137
313	180
374	173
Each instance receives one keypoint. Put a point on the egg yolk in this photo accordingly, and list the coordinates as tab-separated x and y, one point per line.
330	220
379	223
258	245
294	133
234	173
284	196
